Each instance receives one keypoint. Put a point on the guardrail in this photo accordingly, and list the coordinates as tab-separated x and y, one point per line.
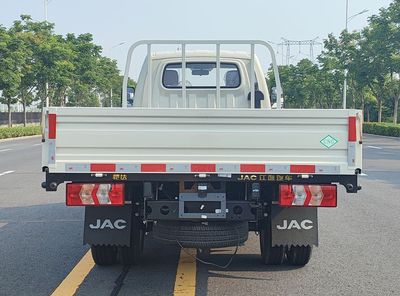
217	43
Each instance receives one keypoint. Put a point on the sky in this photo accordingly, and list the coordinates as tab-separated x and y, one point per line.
126	21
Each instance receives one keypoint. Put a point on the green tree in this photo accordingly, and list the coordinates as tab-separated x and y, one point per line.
27	84
392	90
342	54
86	72
36	63
12	56
308	85
379	49
393	84
108	83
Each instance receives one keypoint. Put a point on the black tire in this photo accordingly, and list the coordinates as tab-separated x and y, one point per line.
299	255
132	255
104	255
202	235
270	255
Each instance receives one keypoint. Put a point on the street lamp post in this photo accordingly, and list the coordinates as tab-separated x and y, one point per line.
45	9
346	70
47	84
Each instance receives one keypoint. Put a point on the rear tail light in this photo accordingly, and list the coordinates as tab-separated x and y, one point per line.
352	130
307	195
79	194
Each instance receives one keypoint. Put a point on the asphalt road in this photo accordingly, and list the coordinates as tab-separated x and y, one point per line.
41	240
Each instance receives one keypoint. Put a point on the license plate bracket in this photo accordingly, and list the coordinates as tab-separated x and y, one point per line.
207	206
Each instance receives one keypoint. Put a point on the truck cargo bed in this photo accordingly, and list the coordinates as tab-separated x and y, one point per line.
141	140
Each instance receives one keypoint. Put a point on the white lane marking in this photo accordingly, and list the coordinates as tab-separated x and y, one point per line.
363	175
6	173
38	144
374	147
3	224
4	150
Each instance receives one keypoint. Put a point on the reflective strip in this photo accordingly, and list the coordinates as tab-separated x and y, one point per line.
278	169
302	168
327	169
230	168
351	153
52	151
52	119
125	167
153	167
102	167
352	129
178	168
252	168
202	168
77	167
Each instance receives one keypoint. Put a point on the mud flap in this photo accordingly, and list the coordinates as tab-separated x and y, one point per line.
294	226
108	225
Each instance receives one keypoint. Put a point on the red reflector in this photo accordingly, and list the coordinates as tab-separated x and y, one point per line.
202	168
102	167
52	118
153	167
79	194
307	195
302	169
352	129
252	168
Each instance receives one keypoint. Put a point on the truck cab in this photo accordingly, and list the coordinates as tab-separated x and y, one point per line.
201	81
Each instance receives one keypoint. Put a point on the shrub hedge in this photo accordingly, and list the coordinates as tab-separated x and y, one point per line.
19	131
384	129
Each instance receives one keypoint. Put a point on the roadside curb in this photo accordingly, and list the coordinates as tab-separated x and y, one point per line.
18	138
396	138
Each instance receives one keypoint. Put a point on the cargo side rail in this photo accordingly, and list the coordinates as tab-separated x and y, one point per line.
217	43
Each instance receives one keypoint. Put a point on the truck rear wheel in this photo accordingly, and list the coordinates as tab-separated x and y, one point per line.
299	255
271	255
104	255
132	254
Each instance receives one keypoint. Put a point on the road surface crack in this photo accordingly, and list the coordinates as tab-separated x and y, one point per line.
120	281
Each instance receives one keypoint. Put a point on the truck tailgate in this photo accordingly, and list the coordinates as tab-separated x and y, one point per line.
202	140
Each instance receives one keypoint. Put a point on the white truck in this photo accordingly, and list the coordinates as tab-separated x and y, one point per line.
201	159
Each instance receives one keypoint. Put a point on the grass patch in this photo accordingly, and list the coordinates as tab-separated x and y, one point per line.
19	131
383	129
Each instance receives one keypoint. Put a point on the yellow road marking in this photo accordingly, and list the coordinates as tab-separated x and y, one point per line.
75	278
185	281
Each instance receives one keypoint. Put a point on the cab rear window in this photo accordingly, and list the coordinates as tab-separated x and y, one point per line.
201	75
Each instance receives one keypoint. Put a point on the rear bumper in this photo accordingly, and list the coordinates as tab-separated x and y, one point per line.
350	182
169	210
